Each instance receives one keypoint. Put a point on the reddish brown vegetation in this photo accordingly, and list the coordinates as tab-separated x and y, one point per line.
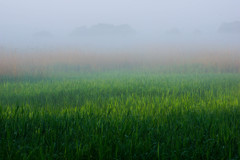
13	62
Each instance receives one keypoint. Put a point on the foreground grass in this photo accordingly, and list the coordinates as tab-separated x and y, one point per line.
121	115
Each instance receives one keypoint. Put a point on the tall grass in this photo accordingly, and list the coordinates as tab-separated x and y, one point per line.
121	115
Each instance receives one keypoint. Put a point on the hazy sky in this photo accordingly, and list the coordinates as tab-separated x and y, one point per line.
143	15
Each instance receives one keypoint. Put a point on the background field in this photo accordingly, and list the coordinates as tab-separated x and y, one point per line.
182	112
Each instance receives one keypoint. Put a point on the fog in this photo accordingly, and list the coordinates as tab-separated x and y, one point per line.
158	22
134	31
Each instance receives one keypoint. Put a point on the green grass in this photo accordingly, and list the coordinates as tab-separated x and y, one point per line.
121	115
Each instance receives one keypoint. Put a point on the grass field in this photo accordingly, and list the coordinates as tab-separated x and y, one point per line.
121	114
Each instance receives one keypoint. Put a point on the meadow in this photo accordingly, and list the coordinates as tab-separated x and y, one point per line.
121	114
74	105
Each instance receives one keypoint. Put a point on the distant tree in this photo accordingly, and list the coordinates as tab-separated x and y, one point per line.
43	34
173	31
103	30
231	27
